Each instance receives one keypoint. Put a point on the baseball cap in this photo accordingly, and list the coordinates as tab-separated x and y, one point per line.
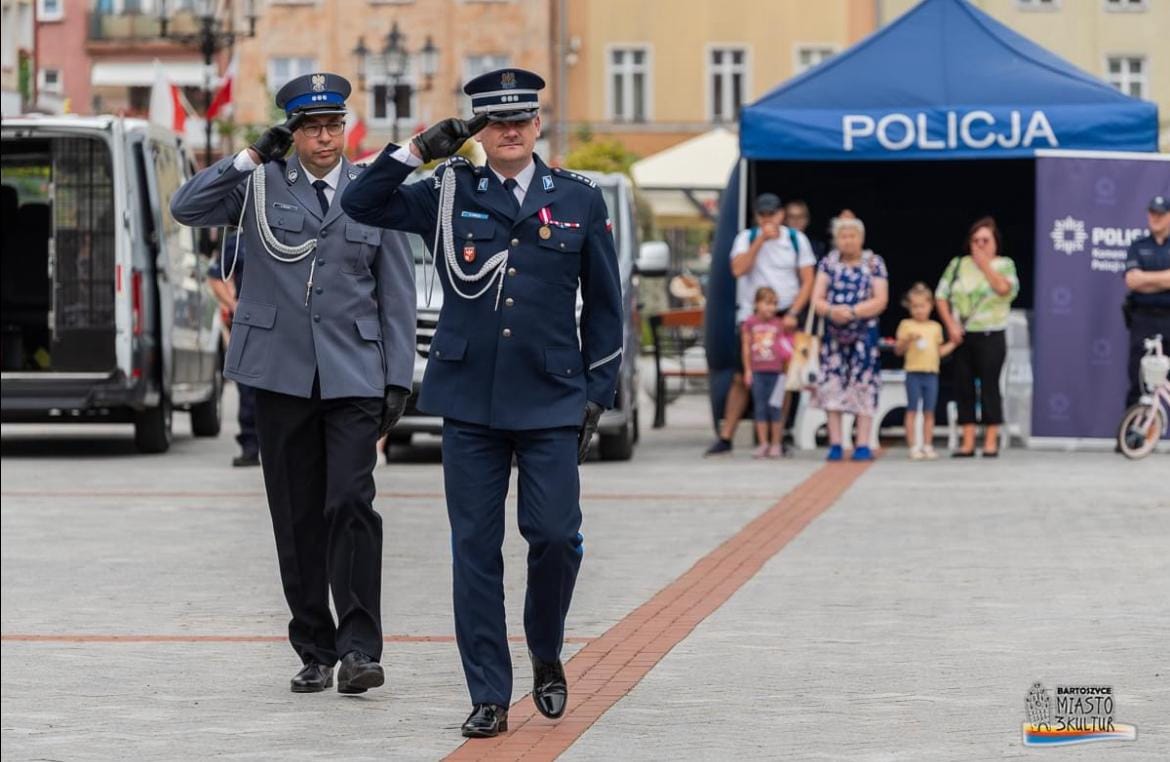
767	203
1159	204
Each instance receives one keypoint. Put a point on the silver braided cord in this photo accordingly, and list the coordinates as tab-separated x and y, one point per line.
493	269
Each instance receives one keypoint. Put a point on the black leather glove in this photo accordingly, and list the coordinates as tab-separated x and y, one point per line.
446	137
394	407
275	141
588	429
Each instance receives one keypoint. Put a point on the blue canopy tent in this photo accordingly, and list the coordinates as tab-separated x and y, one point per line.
921	128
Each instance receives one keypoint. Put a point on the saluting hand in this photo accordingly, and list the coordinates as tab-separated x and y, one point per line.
446	137
276	140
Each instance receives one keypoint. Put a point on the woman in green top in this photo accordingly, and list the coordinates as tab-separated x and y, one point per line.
974	297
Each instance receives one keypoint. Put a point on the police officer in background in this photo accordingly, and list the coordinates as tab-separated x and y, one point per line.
1147	276
506	370
227	292
325	330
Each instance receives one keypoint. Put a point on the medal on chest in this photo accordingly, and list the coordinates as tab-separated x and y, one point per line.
545	217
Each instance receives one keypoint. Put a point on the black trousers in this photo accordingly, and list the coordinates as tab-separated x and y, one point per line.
1144	324
318	458
980	356
247	420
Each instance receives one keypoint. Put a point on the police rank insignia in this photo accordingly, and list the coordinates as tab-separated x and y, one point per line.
318	83
508	80
292	175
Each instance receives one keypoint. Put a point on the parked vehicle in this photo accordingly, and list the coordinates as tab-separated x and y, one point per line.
619	428
105	312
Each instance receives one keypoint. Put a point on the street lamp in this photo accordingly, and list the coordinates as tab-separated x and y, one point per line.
391	64
212	37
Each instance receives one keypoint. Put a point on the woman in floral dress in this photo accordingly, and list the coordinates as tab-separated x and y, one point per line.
850	292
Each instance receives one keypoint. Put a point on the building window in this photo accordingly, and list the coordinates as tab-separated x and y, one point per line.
726	75
281	70
473	66
629	84
1126	5
49	81
390	100
50	10
1038	5
808	56
1129	74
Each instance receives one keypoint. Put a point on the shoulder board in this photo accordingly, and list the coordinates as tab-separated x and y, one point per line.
574	176
458	161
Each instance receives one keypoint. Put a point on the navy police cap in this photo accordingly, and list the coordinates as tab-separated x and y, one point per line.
321	93
1159	205
505	95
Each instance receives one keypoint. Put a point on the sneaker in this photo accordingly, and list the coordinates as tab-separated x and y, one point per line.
775	451
835	453
721	447
862	453
929	453
760	452
917	453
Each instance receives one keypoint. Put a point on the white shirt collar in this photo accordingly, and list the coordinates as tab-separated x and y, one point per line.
523	178
331	179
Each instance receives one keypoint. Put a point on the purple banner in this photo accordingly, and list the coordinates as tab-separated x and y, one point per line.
1087	212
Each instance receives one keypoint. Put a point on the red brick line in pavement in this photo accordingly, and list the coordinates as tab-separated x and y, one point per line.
132	638
598	496
609	667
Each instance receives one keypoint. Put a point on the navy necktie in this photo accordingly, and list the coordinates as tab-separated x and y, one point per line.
510	186
320	186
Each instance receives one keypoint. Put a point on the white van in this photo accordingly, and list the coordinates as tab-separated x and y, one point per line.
105	312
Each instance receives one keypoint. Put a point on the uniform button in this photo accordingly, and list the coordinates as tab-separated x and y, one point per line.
438	353
319	289
316	318
320	263
323	233
509	302
511	271
562	244
469	235
247	316
507	332
515	241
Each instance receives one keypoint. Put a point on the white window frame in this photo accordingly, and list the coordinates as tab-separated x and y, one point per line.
628	69
404	122
43	85
709	77
45	15
1125	6
1038	5
802	47
273	85
1125	78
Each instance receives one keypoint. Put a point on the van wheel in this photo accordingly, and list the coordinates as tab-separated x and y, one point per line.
152	428
207	417
619	446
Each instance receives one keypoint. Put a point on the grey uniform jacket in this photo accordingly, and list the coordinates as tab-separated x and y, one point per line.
357	330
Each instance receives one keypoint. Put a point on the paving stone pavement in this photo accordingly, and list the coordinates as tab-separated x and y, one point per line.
906	622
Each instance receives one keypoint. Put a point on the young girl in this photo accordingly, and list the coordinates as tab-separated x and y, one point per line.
767	346
920	340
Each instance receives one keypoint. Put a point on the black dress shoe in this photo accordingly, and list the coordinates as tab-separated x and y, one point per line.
246	459
358	673
313	678
486	721
550	692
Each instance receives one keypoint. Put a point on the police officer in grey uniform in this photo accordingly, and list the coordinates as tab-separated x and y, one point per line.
325	331
507	371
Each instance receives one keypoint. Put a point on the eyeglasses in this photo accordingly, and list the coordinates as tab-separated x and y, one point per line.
982	239
314	130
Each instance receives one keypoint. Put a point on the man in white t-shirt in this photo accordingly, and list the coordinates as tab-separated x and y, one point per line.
773	255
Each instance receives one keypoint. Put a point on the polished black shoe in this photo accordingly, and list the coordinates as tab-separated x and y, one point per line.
486	721
550	692
358	673
313	678
243	460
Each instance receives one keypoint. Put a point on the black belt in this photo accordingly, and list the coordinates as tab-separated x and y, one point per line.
1151	311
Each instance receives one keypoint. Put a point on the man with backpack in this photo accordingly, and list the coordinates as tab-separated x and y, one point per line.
781	258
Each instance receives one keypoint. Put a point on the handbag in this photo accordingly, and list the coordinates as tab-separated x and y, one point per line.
805	365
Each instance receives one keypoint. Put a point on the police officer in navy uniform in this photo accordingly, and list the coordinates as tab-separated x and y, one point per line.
1147	276
512	242
325	331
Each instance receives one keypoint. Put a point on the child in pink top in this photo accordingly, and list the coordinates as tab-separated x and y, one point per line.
767	347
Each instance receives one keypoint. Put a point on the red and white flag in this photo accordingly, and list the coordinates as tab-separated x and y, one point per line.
223	96
354	137
167	104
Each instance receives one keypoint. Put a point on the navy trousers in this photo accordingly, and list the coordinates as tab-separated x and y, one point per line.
477	464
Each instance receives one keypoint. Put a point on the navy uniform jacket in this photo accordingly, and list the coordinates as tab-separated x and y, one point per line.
358	329
1147	254
521	365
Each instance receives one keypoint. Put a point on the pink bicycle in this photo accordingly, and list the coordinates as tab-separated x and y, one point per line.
1145	421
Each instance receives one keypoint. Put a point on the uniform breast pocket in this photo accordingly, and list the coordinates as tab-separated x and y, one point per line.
251	338
362	242
560	256
287	226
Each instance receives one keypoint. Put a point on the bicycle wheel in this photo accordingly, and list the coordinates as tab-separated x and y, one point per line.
1141	428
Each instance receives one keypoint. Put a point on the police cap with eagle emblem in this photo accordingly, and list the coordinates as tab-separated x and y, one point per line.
505	95
321	93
